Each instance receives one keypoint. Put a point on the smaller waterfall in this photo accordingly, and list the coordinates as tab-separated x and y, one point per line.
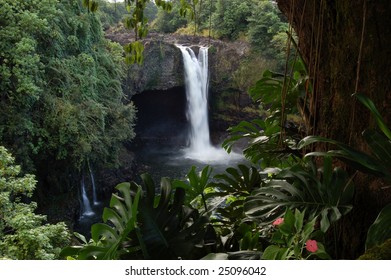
94	195
86	205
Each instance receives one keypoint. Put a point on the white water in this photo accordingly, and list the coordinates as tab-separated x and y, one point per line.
94	196
197	83
86	205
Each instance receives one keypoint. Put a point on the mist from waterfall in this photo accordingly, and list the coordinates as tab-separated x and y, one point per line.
197	85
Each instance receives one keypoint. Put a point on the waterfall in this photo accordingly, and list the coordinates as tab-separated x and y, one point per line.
197	83
86	205
94	196
196	75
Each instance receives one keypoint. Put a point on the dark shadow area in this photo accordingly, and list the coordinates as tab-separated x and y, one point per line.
161	117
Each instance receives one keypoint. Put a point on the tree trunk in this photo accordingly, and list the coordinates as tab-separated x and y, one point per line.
346	47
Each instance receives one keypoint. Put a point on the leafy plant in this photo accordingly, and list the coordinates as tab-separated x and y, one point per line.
142	224
25	235
61	82
196	186
111	239
138	23
378	163
238	181
91	5
272	141
170	229
380	230
225	198
292	239
323	192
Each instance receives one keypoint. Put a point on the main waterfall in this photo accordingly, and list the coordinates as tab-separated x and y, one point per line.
197	83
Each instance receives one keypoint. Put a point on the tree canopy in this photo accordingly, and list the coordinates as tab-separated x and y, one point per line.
60	84
23	234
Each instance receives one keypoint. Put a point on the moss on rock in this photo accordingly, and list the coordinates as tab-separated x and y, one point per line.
381	252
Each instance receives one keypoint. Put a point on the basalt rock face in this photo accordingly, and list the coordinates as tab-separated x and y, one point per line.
162	69
163	66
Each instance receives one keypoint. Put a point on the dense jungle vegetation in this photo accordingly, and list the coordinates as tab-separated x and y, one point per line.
62	108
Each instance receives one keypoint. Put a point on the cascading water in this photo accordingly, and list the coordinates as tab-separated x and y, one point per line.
94	196
86	205
197	83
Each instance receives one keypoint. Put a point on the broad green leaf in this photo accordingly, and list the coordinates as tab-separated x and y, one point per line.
119	223
379	119
81	237
308	228
380	230
124	189
272	251
380	146
112	216
324	221
116	203
100	230
245	242
288	226
299	219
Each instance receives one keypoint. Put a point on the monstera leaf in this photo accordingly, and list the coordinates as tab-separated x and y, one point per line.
142	224
238	181
110	240
195	186
169	228
325	192
232	187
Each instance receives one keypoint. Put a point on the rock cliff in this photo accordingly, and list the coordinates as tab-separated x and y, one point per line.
163	67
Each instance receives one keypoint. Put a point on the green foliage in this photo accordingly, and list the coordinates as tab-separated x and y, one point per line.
138	23
147	226
272	140
170	230
110	240
23	234
251	70
226	197
197	11
169	22
222	198
378	163
325	192
61	85
290	238
380	230
230	18
375	113
187	8
134	53
21	81
196	186
91	5
113	14
379	252
195	14
266	30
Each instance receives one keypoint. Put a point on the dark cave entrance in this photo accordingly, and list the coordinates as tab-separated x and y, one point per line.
161	117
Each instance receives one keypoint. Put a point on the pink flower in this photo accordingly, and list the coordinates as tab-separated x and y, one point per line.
311	245
278	222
